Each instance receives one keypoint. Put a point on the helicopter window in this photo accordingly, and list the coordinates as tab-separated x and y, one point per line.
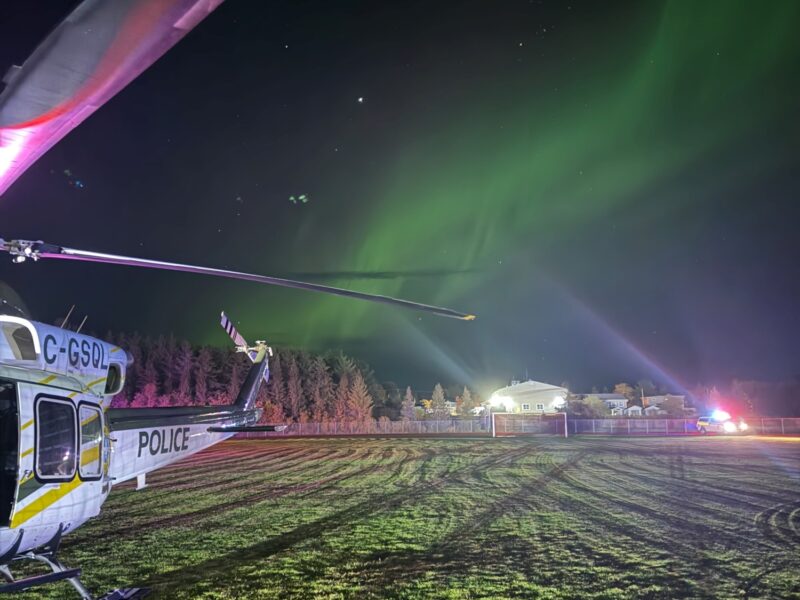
55	440
114	380
91	439
20	340
9	426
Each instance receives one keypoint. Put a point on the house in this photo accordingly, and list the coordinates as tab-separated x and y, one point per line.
653	410
665	403
662	398
616	403
632	411
533	397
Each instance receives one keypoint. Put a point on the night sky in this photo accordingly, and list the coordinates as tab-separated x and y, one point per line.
611	187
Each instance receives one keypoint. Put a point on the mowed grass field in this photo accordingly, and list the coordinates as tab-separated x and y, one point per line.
457	518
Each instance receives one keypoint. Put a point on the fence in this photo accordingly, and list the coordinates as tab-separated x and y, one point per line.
646	426
481	426
477	426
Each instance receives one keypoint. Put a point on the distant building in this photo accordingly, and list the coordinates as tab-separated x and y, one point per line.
676	402
633	411
660	399
653	410
616	403
529	397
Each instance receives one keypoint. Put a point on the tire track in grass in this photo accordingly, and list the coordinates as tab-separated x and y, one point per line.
678	523
149	503
701	513
780	523
195	517
367	508
438	556
230	485
695	487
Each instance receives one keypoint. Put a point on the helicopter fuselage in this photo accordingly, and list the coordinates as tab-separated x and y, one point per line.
63	447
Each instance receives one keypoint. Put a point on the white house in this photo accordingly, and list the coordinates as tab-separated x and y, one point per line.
529	397
633	411
653	410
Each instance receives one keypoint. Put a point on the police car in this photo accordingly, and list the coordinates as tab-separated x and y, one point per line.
720	422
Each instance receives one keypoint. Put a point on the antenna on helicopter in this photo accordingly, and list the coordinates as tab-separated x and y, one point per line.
21	250
66	319
78	330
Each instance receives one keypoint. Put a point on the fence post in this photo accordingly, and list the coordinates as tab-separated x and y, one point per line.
647	426
783	430
628	421
593	425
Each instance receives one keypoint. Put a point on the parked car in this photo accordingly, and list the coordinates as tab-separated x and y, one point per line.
721	422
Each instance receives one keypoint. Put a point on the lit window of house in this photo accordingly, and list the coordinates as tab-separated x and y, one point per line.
526	407
540	407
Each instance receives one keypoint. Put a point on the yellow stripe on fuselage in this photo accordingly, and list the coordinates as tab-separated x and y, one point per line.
26	425
26	453
43	502
47	379
54	495
90	455
95	382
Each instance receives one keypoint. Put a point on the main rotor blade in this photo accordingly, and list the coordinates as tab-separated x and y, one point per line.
23	249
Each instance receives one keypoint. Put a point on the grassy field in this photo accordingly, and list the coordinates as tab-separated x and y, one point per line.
456	518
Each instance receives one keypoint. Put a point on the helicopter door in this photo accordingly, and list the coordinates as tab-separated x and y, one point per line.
9	449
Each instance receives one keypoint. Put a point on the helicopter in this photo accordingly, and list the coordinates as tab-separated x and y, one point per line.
62	447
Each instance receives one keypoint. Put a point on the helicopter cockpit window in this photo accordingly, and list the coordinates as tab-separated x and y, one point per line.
9	453
20	341
55	440
114	380
91	439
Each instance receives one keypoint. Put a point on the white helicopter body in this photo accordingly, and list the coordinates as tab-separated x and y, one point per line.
63	447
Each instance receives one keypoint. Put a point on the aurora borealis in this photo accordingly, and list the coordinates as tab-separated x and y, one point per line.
611	188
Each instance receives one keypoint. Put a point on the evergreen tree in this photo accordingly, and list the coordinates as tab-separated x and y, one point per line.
183	372
202	370
341	399
134	347
294	390
147	397
169	376
394	400
275	387
340	364
468	403
320	389
149	374
235	367
359	405
439	404
407	411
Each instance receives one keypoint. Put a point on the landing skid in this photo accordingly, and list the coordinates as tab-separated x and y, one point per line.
47	554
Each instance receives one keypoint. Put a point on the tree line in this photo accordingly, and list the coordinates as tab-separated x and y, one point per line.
303	386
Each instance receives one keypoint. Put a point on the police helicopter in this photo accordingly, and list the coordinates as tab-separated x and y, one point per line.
62	448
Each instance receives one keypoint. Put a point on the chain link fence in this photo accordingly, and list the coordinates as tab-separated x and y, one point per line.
476	426
480	426
649	426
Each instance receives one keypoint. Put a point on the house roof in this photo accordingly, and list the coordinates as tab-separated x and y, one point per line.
531	387
605	396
